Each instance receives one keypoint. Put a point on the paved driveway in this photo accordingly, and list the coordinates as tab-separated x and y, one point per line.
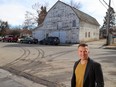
52	65
8	79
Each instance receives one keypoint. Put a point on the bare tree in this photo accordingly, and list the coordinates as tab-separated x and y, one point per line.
4	27
74	4
32	19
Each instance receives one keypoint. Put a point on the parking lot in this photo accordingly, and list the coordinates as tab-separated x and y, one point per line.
52	65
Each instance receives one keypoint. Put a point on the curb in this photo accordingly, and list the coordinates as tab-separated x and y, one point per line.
109	47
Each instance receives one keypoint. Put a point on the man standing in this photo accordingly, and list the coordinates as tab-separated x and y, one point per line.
86	72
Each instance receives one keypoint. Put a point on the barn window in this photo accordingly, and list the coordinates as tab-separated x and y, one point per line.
74	23
88	34
59	25
94	33
85	34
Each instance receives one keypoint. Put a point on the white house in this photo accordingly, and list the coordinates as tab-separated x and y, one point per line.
69	24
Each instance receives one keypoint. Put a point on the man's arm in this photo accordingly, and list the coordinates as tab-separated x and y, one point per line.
99	75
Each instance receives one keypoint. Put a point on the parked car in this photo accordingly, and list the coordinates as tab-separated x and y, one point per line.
21	38
10	38
1	38
50	41
114	36
29	40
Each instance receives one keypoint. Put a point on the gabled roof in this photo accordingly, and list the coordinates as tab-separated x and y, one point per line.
37	27
83	16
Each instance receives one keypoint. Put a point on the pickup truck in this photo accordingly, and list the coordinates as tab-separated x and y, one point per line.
10	38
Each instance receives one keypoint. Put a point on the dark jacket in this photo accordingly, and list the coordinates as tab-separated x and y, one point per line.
93	75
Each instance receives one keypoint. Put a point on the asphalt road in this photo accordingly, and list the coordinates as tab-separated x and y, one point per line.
52	65
8	79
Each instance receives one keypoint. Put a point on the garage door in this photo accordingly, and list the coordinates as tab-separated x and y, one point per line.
60	34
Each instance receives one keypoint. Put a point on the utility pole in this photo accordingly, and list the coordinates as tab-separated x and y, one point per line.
108	24
109	35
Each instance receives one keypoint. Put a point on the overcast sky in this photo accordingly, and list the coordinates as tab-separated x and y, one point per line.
14	11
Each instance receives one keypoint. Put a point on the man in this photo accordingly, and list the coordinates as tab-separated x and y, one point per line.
86	72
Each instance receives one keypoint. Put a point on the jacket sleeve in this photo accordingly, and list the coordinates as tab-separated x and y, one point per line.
73	80
98	75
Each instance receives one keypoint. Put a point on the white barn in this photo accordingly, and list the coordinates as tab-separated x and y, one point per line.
69	24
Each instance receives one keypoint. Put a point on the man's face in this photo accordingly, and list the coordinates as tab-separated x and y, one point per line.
83	53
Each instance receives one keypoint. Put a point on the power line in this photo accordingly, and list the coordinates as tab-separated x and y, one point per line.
103	4
114	5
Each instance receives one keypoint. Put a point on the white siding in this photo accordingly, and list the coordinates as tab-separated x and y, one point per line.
60	18
62	36
39	34
85	29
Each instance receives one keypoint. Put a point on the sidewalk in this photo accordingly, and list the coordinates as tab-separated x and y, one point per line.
100	44
113	46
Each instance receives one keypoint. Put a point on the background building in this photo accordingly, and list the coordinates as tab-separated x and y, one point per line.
69	24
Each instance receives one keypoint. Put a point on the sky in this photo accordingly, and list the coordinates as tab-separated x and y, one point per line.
13	11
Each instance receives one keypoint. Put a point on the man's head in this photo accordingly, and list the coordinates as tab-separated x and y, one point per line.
83	51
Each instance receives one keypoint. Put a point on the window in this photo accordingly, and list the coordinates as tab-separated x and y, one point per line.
88	34
59	26
94	34
85	34
74	23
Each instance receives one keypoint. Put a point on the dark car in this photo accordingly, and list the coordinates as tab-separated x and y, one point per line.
50	41
29	40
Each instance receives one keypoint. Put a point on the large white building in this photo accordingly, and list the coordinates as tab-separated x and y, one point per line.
69	24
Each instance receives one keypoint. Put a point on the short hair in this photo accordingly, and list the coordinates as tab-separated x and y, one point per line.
82	45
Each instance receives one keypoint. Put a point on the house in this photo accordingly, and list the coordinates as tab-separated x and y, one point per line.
25	32
69	24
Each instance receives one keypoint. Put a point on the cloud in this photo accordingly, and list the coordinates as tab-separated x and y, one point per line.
13	13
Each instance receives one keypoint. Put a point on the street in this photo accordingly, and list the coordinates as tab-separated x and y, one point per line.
10	80
51	66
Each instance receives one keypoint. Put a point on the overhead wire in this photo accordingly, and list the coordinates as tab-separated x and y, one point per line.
114	6
103	4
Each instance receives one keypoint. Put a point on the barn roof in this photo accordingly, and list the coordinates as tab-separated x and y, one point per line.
85	17
81	15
